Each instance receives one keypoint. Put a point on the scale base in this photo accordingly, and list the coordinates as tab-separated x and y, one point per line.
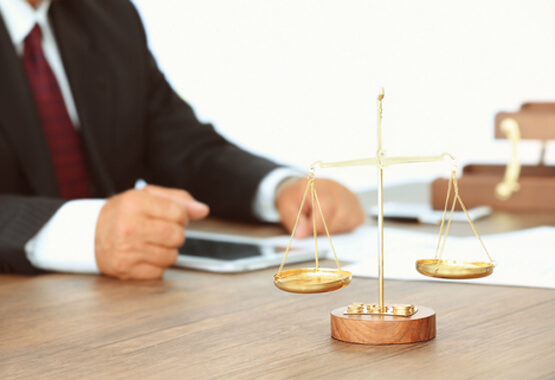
383	329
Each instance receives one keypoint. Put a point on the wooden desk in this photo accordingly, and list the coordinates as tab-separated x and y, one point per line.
202	325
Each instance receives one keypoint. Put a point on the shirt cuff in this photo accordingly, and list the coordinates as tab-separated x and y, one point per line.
66	242
265	200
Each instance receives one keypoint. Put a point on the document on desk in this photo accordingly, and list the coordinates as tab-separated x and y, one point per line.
523	258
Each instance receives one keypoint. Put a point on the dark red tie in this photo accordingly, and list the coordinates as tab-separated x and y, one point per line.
61	136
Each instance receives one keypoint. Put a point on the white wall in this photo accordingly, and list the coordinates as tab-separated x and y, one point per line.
297	80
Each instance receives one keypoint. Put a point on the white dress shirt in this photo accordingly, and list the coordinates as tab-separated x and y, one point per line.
66	242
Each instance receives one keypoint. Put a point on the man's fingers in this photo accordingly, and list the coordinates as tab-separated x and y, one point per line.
288	214
138	232
144	271
177	195
142	262
342	212
341	208
139	202
162	233
197	210
304	228
194	209
158	256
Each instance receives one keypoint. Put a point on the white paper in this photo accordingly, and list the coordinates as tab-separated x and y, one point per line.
523	258
423	213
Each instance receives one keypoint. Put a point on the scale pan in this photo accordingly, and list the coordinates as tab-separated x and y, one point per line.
454	269
311	280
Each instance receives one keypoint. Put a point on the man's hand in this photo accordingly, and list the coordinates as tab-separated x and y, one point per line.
341	208
138	231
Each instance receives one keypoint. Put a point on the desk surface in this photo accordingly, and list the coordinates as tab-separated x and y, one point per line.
194	324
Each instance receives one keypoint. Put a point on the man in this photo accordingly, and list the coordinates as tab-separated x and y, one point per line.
84	113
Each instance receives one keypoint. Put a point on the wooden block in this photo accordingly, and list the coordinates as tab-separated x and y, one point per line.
478	182
538	106
533	125
526	171
383	329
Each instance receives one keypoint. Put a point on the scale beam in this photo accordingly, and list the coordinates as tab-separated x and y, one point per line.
383	162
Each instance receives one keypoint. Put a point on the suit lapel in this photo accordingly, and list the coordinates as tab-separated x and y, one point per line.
89	76
19	119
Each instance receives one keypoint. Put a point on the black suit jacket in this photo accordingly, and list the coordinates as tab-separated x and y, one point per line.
133	125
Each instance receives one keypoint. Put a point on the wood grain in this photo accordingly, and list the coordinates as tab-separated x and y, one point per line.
194	324
201	325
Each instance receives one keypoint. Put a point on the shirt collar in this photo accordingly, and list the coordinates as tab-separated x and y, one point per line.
20	17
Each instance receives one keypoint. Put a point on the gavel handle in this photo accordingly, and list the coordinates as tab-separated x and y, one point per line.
505	189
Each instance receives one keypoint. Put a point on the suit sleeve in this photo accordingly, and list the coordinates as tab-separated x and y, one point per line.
185	153
20	219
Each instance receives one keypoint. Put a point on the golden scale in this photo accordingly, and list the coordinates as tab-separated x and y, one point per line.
380	323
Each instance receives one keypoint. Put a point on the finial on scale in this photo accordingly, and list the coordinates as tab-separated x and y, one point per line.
381	94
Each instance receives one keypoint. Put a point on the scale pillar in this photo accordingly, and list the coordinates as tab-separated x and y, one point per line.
380	326
380	242
379	155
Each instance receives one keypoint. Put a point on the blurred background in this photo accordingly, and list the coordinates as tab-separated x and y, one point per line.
297	80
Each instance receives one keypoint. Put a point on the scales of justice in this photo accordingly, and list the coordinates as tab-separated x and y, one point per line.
378	323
